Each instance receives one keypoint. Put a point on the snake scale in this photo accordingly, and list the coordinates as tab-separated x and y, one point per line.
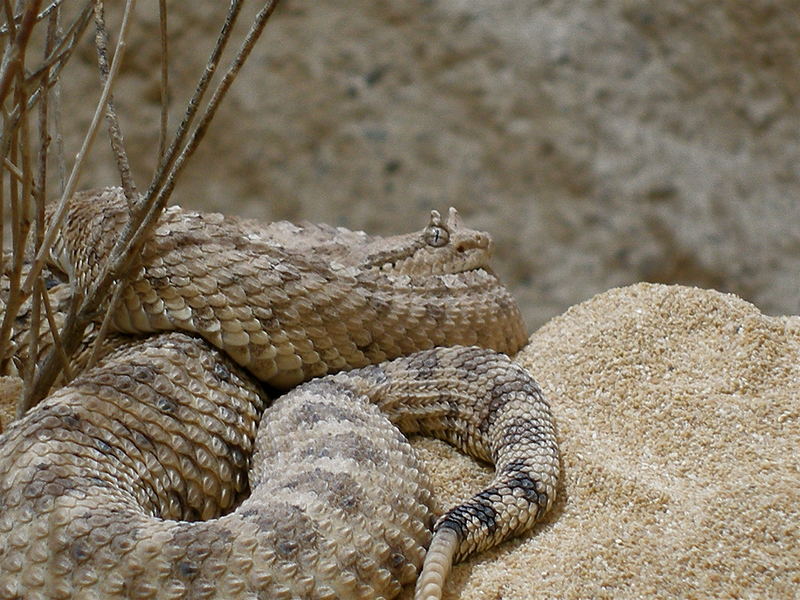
168	470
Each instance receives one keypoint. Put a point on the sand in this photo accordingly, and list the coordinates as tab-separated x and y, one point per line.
678	412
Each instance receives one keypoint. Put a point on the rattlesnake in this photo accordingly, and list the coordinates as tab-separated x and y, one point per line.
132	480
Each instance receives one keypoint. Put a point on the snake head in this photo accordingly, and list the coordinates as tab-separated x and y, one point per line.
443	246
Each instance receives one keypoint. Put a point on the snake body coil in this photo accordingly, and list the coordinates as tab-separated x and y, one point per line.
149	476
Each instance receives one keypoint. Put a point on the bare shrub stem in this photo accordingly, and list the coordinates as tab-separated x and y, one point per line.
114	128
146	211
77	319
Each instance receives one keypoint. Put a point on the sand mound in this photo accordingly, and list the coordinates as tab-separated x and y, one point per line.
678	412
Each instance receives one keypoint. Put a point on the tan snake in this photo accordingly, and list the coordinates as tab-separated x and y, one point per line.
149	476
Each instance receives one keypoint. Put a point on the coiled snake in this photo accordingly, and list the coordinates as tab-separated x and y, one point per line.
149	476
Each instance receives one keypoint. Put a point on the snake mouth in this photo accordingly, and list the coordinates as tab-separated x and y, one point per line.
486	270
428	263
411	266
477	280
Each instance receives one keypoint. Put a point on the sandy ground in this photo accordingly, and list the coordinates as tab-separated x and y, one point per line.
679	421
678	412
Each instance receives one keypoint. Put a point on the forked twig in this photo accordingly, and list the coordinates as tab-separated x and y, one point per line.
13	19
219	93
144	216
60	52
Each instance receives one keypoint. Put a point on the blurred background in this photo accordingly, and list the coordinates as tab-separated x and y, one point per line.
601	143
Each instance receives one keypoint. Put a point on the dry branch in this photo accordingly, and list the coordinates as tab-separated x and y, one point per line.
76	321
61	51
114	128
164	88
12	20
72	182
147	210
14	57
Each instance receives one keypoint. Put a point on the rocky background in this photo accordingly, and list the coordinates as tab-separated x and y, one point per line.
600	143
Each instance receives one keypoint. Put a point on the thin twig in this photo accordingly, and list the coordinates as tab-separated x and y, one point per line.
119	286
162	132
27	181
114	129
58	61
34	333
57	344
192	107
20	224
14	57
10	19
72	182
54	25
13	19
39	196
66	43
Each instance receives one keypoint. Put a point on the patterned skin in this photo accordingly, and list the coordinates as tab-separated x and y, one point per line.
149	476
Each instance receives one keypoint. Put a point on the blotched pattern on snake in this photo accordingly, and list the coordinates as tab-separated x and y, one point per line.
167	471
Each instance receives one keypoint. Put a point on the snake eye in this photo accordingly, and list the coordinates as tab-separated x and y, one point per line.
436	236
